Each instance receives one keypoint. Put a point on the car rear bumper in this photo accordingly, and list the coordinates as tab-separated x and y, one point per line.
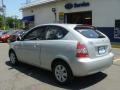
83	67
4	39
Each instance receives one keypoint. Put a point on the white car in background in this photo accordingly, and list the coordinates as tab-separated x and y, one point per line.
67	50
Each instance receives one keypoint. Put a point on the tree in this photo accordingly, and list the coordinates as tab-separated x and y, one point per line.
1	23
11	23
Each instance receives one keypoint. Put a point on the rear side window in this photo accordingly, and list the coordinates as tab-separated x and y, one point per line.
5	32
89	32
55	32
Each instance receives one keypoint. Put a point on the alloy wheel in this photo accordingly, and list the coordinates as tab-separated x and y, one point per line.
12	58
61	73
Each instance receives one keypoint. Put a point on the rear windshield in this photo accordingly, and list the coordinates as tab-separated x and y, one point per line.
89	32
3	32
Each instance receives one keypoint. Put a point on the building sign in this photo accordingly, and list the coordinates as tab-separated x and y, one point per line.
117	29
76	5
61	17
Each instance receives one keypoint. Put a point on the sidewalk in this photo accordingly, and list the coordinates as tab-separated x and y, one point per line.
116	52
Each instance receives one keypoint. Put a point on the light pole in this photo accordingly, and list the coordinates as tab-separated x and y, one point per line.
3	12
55	14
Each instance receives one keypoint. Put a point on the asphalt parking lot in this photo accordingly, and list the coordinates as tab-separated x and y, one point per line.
26	77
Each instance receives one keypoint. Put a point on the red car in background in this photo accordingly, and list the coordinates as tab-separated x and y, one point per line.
5	35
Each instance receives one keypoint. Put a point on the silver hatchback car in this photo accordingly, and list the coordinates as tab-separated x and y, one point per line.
67	50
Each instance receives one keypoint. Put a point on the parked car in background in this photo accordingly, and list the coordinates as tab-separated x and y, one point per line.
17	35
1	30
67	50
5	36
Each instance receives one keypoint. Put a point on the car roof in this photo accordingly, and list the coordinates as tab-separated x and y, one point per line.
62	25
72	26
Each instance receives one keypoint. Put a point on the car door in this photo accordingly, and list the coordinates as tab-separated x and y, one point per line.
51	46
29	49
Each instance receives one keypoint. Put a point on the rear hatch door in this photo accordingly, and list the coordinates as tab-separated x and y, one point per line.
98	47
96	42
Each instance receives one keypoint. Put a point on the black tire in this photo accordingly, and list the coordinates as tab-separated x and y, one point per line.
66	70
13	58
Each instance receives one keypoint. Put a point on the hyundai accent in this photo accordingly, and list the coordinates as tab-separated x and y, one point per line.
67	50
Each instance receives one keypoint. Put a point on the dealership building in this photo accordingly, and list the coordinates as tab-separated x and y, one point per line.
104	14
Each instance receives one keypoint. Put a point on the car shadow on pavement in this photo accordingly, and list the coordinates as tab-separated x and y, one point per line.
47	77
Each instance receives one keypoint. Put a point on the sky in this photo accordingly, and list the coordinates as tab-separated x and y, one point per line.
13	7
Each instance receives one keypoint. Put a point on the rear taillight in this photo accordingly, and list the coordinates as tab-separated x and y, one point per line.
82	51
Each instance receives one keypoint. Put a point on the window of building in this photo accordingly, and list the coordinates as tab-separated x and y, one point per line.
117	29
79	18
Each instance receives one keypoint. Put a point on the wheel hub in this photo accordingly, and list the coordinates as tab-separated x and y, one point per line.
12	58
61	73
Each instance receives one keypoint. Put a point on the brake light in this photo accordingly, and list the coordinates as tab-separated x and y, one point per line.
82	51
